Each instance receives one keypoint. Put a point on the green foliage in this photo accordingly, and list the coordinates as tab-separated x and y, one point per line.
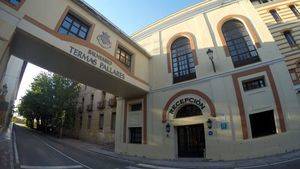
51	100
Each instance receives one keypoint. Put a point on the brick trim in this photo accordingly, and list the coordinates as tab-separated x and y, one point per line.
239	97
247	23
192	40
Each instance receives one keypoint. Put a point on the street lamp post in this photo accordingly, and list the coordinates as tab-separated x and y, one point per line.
210	54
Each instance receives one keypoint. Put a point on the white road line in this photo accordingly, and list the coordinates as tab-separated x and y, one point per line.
11	145
131	167
5	139
267	165
50	167
15	149
154	167
63	154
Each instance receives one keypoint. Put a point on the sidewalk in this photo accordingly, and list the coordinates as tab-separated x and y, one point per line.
186	163
6	156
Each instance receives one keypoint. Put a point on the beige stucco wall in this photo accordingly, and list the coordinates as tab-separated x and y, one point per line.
225	144
202	22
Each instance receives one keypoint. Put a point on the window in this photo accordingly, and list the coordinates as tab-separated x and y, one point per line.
113	121
260	1
275	15
239	43
295	74
182	60
188	111
290	39
136	107
92	99
262	124
135	135
254	83
80	122
124	56
82	102
14	2
103	95
73	26
101	121
89	122
295	10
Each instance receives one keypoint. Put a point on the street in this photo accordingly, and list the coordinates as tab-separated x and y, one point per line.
36	151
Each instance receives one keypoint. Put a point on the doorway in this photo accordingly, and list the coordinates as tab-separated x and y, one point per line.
191	141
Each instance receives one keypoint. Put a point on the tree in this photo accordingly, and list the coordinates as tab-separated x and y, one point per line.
51	101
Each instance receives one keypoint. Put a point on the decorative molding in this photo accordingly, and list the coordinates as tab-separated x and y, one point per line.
180	17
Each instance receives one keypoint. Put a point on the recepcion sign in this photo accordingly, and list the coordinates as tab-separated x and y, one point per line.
178	103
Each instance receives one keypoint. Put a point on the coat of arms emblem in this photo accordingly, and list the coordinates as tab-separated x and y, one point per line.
104	40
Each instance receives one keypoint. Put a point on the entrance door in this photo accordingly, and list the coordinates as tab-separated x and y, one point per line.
191	141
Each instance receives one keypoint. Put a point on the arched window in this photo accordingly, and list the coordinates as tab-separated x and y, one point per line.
182	60
239	43
188	111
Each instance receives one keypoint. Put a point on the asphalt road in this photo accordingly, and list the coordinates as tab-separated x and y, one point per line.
36	151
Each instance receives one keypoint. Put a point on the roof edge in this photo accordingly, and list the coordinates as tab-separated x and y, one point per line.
169	17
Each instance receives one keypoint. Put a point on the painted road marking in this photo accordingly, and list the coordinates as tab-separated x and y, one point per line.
50	167
154	167
131	167
5	139
63	154
268	165
15	149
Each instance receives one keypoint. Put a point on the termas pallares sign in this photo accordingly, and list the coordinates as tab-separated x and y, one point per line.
94	58
187	100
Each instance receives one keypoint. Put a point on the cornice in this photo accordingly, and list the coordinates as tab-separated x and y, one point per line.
181	16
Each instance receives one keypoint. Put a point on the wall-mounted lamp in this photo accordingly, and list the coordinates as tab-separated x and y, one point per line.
209	124
210	54
168	129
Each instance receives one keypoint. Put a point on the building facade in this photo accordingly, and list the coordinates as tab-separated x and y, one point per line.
96	117
282	18
208	81
223	90
11	81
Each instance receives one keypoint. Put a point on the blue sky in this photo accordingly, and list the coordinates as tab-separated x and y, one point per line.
132	15
128	15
